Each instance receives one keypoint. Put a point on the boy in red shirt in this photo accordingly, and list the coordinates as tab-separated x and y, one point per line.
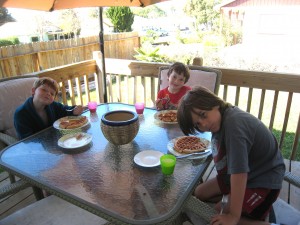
169	97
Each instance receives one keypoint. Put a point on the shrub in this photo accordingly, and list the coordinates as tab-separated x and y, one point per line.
9	41
121	17
149	54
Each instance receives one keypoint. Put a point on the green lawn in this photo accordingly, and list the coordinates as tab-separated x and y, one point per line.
287	144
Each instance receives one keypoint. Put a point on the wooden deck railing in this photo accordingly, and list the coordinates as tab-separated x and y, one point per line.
130	81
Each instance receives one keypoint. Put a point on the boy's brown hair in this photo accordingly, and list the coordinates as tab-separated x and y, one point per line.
197	98
180	68
46	80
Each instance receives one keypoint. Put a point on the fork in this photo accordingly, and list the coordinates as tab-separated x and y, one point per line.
192	154
223	203
84	108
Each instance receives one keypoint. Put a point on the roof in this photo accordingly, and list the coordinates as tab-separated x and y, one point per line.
255	3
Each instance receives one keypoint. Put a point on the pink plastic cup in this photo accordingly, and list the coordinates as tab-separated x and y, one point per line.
139	107
92	106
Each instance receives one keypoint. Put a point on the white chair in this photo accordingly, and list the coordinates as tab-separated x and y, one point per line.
13	92
284	213
199	213
52	210
199	75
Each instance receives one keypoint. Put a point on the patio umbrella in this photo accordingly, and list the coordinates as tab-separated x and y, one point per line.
51	5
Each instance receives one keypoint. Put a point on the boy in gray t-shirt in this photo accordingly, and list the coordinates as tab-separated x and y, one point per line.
248	161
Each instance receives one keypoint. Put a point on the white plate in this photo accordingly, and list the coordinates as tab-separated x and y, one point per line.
170	147
148	158
164	111
57	122
70	141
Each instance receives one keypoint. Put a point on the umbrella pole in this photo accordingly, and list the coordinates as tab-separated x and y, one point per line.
101	38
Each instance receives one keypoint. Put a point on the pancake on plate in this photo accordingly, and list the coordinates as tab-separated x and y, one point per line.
168	116
72	123
189	144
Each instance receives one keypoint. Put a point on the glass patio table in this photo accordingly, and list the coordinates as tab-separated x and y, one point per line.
103	178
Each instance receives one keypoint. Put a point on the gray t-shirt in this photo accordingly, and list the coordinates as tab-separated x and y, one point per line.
245	145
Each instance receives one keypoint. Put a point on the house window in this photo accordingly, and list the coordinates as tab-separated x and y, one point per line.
51	37
34	39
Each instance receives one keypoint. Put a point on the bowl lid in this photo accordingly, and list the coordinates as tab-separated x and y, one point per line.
119	118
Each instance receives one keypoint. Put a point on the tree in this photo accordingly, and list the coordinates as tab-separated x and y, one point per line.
5	16
121	17
150	12
69	22
203	11
94	12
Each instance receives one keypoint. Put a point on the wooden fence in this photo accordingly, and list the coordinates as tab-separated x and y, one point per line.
37	56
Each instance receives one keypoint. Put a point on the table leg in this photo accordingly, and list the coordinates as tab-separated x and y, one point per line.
38	193
12	178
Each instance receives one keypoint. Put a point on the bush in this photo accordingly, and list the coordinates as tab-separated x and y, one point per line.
189	39
121	17
149	54
150	37
232	32
9	41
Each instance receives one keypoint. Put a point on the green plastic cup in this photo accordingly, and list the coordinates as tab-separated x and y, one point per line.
167	164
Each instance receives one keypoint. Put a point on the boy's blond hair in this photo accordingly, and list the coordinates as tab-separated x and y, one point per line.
46	80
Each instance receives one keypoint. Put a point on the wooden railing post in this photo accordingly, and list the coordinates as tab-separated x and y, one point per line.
101	79
296	141
198	61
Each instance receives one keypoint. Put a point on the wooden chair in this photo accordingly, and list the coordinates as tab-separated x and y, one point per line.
199	75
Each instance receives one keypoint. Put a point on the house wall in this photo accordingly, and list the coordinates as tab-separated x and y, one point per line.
273	29
269	26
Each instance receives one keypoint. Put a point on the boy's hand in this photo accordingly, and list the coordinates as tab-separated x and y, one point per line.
227	219
78	110
162	103
159	104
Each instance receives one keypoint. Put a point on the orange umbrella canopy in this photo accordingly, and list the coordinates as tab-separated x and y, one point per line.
50	5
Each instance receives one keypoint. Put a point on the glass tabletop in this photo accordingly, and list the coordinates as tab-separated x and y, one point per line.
103	177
